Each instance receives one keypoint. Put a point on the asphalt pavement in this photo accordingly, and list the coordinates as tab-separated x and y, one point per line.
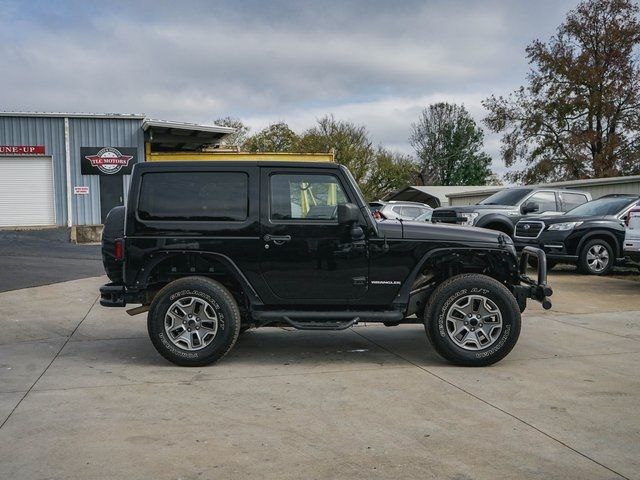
30	258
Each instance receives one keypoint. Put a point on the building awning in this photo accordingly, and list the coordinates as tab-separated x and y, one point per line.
177	136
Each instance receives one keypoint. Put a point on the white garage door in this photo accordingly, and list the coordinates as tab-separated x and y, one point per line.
26	191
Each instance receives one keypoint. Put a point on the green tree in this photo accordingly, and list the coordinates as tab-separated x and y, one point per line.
350	143
277	137
449	147
239	136
389	171
579	115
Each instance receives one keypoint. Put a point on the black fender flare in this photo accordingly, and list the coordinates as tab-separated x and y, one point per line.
496	218
404	293
158	256
600	233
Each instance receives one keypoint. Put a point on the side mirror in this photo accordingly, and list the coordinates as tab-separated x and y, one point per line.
530	207
348	214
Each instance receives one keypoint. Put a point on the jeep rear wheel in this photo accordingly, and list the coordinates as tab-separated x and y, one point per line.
472	320
193	321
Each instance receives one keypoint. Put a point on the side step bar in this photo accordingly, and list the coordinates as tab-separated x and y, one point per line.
324	320
321	325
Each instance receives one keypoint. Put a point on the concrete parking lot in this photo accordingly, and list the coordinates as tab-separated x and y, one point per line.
83	395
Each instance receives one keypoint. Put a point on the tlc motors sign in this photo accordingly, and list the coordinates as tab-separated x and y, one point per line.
107	160
21	149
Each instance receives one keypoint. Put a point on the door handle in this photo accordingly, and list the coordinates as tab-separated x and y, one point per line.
277	239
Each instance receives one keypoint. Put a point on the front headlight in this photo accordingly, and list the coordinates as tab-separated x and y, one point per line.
564	226
469	218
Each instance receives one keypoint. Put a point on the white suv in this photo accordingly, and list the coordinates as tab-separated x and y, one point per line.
632	237
404	210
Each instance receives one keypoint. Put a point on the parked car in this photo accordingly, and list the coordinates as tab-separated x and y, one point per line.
502	210
632	236
590	236
212	248
401	210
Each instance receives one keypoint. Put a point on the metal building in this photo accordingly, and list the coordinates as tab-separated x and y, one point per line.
71	169
433	195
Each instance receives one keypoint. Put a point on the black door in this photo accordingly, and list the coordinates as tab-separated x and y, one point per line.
306	254
111	194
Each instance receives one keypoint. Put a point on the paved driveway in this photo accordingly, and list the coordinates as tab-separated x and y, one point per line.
29	258
83	395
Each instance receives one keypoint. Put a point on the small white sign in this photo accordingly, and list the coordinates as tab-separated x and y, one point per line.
81	190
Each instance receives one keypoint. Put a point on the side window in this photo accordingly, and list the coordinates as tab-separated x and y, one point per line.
572	200
411	212
305	197
188	196
545	200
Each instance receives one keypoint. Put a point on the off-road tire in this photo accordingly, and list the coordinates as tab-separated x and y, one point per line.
221	301
454	289
113	229
583	263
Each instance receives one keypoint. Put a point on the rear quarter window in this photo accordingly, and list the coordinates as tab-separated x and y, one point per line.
572	200
194	196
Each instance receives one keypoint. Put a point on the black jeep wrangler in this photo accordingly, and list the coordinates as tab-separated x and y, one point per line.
210	249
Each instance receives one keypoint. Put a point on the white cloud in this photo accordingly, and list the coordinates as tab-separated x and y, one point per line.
373	62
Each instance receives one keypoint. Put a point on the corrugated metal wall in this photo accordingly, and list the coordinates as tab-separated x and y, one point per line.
460	201
41	131
596	191
98	132
83	132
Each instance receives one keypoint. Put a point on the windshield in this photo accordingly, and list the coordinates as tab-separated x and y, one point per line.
365	211
506	197
602	206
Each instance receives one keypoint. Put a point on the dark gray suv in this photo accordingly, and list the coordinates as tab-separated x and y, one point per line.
502	210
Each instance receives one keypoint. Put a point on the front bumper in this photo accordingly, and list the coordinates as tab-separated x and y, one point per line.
554	245
529	288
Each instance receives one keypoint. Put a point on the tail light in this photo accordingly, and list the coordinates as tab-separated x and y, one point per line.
119	249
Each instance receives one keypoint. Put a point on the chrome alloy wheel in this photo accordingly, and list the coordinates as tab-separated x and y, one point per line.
597	258
191	323
474	322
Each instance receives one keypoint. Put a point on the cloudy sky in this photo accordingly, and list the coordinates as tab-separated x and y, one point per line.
373	62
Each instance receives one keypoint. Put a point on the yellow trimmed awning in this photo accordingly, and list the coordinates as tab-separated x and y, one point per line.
233	156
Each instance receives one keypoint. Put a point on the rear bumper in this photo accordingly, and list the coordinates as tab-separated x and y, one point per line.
536	289
116	295
632	249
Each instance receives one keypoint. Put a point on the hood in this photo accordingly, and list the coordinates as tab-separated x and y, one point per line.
476	208
550	220
408	230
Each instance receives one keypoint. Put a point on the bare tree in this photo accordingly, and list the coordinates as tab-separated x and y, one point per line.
239	136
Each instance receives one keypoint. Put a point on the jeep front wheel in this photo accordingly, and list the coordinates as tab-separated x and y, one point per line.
472	320
193	321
